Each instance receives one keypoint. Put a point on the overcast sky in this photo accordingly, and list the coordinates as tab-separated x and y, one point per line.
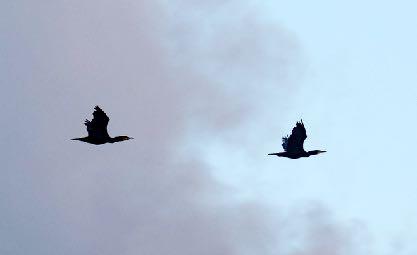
207	89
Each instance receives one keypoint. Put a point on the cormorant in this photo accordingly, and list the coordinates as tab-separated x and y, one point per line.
293	145
97	130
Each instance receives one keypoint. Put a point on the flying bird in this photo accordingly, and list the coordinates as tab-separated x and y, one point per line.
293	144
97	130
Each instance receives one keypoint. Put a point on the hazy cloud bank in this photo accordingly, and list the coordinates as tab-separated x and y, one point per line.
159	70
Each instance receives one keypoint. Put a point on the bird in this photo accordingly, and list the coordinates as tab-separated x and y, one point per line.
293	144
97	130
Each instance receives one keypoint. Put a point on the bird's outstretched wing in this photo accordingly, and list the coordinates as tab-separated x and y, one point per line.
97	127
294	143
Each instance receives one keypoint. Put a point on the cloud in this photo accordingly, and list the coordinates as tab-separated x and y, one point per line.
163	73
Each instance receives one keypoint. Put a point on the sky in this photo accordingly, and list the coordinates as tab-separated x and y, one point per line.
207	89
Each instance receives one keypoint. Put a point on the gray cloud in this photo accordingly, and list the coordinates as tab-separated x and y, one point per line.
157	70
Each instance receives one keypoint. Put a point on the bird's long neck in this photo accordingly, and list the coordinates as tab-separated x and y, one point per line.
114	139
118	139
315	152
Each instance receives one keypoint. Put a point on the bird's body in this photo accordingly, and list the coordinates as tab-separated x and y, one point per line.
291	155
294	144
97	130
98	141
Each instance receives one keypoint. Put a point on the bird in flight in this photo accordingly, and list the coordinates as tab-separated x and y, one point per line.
293	144
97	130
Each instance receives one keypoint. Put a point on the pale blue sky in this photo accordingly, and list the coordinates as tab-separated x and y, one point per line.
358	100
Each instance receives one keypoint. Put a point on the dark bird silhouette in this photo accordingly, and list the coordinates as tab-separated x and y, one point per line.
293	144
97	130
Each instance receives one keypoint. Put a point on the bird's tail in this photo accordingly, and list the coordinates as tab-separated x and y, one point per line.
279	154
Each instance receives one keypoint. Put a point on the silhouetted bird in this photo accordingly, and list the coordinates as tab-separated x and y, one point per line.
293	145
97	130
